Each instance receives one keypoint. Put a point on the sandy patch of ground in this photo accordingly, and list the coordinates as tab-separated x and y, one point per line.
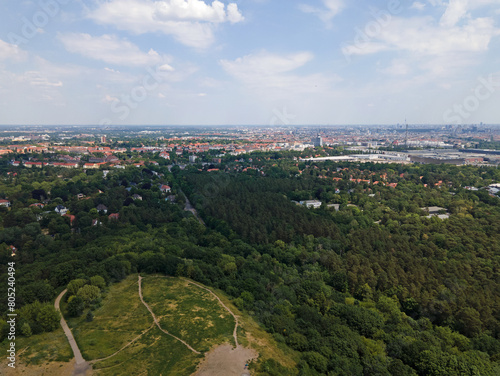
227	361
49	369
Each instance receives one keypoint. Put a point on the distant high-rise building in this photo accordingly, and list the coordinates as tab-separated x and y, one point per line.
318	141
103	139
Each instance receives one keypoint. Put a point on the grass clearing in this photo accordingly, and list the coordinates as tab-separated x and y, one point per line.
120	319
189	312
41	348
153	354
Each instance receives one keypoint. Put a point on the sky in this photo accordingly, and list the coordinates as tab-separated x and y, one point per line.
251	62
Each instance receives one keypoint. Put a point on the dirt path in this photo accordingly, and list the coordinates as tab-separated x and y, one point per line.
235	333
190	208
81	366
158	323
124	347
225	359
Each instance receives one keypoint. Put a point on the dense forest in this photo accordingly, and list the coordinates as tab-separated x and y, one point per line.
376	287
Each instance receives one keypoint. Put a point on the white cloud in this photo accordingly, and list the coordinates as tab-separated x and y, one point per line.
191	22
272	75
11	52
455	11
109	99
233	13
398	67
37	78
418	5
266	64
175	10
421	35
326	14
109	49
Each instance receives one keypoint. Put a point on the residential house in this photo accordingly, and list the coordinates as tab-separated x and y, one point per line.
165	188
114	216
102	208
60	209
5	203
311	203
33	164
64	164
93	165
436	211
135	196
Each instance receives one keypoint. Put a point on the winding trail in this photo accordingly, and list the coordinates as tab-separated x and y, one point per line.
124	347
81	366
235	334
158	323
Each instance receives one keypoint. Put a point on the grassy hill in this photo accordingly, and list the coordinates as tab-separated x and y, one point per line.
123	339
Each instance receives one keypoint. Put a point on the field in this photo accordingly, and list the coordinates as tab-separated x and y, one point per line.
121	318
188	312
45	354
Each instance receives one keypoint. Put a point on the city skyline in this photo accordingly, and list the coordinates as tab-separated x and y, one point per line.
277	63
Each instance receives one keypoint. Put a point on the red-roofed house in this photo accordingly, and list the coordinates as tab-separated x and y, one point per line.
165	188
5	203
114	216
33	164
71	218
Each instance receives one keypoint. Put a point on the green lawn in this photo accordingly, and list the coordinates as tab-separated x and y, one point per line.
188	311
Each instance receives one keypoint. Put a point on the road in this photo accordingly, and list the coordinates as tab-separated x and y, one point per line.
190	208
81	366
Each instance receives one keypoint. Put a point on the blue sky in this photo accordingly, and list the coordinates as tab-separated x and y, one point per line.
266	62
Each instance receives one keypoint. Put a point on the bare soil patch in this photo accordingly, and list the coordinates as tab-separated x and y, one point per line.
226	360
49	369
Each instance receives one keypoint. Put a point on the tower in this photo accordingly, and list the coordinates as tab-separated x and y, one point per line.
406	137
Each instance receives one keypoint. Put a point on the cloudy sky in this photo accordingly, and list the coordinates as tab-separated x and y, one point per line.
269	62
